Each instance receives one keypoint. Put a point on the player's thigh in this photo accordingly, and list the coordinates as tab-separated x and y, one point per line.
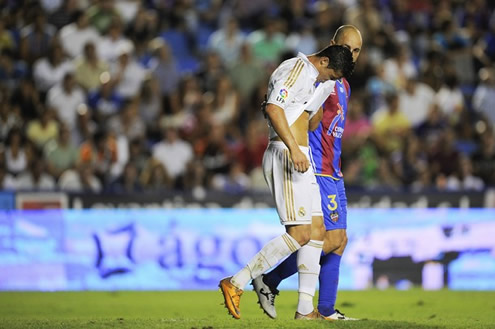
333	203
291	189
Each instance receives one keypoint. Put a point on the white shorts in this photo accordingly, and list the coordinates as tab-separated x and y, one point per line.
297	195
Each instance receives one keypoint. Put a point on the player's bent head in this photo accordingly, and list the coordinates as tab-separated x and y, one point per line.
337	58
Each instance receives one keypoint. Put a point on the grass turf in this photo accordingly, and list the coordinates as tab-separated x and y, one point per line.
202	310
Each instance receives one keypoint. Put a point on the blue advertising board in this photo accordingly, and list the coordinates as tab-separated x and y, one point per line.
182	249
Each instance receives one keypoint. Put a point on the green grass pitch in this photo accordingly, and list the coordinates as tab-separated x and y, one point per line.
203	310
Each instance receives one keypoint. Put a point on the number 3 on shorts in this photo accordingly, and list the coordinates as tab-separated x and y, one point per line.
333	204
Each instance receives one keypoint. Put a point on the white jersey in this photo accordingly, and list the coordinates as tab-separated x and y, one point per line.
291	86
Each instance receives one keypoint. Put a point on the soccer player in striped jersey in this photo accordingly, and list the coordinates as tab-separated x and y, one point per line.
325	147
290	177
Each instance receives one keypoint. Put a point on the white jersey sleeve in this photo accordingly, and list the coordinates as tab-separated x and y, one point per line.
291	87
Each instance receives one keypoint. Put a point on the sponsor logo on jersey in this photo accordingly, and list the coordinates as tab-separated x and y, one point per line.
338	132
301	212
282	95
334	216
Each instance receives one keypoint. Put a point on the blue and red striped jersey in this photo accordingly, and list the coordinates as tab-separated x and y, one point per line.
326	140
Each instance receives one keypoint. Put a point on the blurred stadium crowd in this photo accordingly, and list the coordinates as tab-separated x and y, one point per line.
103	95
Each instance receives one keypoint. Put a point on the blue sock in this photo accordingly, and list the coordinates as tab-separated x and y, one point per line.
284	270
329	281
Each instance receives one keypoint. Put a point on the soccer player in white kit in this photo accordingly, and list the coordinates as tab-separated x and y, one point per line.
290	177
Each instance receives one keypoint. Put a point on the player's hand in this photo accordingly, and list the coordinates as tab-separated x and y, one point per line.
299	160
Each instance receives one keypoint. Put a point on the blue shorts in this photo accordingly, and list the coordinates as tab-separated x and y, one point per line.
333	202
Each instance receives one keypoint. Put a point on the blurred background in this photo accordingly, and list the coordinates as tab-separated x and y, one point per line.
155	104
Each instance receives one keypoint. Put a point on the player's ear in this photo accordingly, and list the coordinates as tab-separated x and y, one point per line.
324	61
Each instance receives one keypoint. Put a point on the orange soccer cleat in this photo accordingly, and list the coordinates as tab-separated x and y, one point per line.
232	297
315	315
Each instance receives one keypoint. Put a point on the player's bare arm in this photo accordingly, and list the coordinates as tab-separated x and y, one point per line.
314	121
292	136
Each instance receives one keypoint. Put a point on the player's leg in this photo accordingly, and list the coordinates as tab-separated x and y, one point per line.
278	174
335	215
308	267
306	260
308	257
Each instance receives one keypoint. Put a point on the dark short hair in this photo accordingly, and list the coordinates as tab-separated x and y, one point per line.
339	59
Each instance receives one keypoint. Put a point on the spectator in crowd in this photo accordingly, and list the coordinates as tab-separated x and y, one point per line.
390	125
302	40
443	158
164	70
234	182
211	71
81	179
377	87
227	41
7	181
431	129
36	38
216	153
399	68
50	70
112	42
226	102
102	14
416	101
267	43
105	101
12	70
91	72
173	153
449	98
64	14
127	122
138	154
150	106
16	158
465	180
246	73
76	35
66	99
484	159
26	98
6	39
42	130
155	177
357	126
128	182
127	73
484	95
144	26
35	178
9	119
60	154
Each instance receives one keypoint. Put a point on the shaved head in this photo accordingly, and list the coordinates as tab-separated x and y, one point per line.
350	37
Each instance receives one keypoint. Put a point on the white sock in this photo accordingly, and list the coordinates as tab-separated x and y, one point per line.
272	253
308	266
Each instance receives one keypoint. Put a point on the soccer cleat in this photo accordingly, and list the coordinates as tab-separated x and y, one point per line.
232	297
338	316
315	315
266	296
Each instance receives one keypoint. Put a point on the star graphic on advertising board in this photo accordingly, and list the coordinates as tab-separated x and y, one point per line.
114	251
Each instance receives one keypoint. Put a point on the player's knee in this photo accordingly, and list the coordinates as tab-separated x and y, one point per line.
301	233
332	242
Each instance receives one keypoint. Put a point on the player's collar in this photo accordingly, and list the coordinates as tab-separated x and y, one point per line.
314	70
